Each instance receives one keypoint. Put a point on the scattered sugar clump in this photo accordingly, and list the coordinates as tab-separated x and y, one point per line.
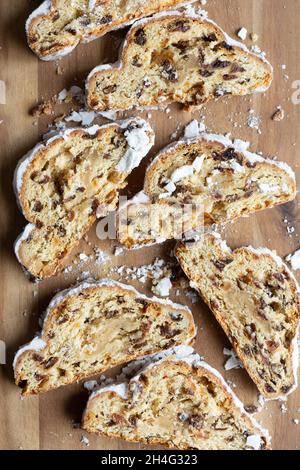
242	33
84	440
294	260
233	361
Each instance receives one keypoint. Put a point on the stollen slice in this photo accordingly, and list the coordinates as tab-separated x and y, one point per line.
255	298
202	182
95	326
177	56
178	401
63	183
56	27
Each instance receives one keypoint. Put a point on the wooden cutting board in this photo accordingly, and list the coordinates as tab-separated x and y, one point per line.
47	422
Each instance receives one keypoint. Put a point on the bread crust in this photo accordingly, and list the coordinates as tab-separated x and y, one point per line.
181	250
87	34
123	63
55	310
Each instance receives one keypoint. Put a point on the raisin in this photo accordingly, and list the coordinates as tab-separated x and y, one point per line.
37	357
210	38
111	313
85	21
62	319
205	73
220	64
168	332
181	45
201	55
224	45
105	19
222	263
272	345
135	62
179	25
81	189
169	72
140	37
286	388
269	388
247	350
38	206
39	377
176	316
71	31
109	89
61	231
237	68
71	216
39	224
51	362
196	421
228	77
55	16
279	277
133	420
251	409
95	205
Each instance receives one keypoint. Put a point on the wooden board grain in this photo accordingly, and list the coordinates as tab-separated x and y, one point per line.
46	422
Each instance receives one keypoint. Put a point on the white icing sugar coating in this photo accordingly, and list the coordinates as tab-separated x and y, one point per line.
254	442
23	236
43	9
187	355
140	139
294	260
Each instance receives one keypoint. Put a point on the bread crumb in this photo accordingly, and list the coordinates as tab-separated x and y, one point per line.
279	114
45	108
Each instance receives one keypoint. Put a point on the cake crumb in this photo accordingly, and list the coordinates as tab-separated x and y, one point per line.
278	114
44	108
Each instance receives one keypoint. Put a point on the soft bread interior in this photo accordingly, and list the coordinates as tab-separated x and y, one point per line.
98	327
176	405
256	301
176	58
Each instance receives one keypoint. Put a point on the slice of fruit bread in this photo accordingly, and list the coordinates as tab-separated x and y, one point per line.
56	27
201	182
255	298
176	57
95	326
175	400
63	183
